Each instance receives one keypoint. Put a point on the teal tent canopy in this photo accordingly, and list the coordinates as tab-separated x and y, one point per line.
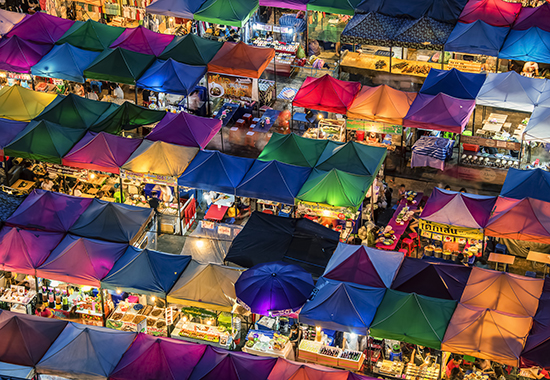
293	149
352	157
191	50
119	65
91	35
125	117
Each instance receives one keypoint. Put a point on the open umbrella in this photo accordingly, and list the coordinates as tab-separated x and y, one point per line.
274	288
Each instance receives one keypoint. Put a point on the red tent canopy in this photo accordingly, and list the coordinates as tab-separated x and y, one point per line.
326	94
241	60
285	369
492	12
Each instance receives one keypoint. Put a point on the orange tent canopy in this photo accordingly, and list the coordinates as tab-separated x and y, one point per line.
487	334
381	103
241	60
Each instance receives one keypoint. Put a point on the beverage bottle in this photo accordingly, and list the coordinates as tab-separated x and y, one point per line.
51	299
58	299
65	301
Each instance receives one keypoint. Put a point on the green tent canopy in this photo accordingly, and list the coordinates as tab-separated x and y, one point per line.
335	188
127	116
412	318
191	50
73	111
119	65
227	12
44	141
91	35
352	157
341	7
293	149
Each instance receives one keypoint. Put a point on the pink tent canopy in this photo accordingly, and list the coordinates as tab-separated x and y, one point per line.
492	12
143	40
285	369
101	151
509	293
300	5
326	94
23	251
41	28
185	129
19	55
439	112
529	17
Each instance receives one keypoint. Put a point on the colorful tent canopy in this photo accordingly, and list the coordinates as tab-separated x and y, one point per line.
91	35
206	285
15	372
538	127
536	348
525	219
453	82
533	17
48	211
85	352
438	280
393	318
293	150
299	5
191	49
184	9
342	306
335	188
127	116
506	292
213	170
81	261
521	184
9	19
363	265
226	12
160	158
41	28
186	130
487	334
286	369
423	33
544	100
119	65
43	141
532	44
441	10
171	77
371	28
142	40
110	221
510	91
18	103
458	209
22	251
101	151
268	238
439	112
65	62
382	104
240	59
151	357
326	94
145	271
230	365
492	12
477	38
19	56
273	181
8	130
352	157
343	7
29	337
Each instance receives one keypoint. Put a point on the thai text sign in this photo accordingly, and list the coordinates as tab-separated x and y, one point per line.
445	229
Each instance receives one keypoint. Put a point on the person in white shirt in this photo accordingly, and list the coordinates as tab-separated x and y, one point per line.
117	92
47	184
91	94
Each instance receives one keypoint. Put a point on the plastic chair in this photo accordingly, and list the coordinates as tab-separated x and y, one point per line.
410	245
404	251
531	274
501	248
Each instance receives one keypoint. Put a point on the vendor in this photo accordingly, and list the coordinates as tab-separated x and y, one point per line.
453	363
47	184
164	193
295	337
372	138
42	310
27	174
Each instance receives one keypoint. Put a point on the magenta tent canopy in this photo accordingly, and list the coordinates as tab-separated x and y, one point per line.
533	17
19	56
143	40
326	94
48	211
41	28
102	152
300	5
185	129
439	112
152	357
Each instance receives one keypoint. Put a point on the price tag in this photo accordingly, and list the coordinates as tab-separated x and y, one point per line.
169	316
426	234
276	29
224	230
207	225
437	237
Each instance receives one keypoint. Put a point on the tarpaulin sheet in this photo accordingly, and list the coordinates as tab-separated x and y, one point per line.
492	12
175	8
41	28
91	35
19	56
142	40
65	62
171	77
453	82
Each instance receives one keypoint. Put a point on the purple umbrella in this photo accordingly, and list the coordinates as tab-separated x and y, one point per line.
274	288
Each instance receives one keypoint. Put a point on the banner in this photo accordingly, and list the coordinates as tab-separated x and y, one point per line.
149	178
445	229
231	87
374	126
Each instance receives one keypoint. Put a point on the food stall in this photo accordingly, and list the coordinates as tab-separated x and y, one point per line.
268	343
344	220
18	298
328	129
375	134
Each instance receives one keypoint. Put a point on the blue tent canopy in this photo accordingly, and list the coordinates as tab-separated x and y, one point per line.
65	62
274	181
423	33
453	82
146	271
521	184
342	306
477	38
171	77
538	127
532	45
371	28
212	170
176	8
10	371
441	10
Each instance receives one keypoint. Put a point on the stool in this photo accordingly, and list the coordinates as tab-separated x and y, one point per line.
240	124
409	243
404	251
360	135
256	120
250	139
500	248
252	126
413	235
247	118
235	135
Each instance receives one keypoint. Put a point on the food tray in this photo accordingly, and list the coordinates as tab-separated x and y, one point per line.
157	312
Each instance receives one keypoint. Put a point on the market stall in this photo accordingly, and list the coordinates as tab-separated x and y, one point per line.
22	104
191	50
285	368
91	35
432	152
19	56
10	19
186	130
127	117
293	149
8	130
33	28
142	40
64	62
536	345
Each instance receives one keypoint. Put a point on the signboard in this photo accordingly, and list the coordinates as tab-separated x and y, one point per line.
207	224
490	143
445	229
157	179
374	126
222	230
230	87
65	170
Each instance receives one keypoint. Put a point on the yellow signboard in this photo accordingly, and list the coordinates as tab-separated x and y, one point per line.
445	229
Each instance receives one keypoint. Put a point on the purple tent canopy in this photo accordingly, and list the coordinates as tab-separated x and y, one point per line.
533	17
300	5
143	40
440	112
185	129
19	56
41	28
49	211
8	130
537	346
438	280
152	357
230	365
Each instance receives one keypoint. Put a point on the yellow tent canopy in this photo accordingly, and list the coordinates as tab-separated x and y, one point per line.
206	285
160	158
19	103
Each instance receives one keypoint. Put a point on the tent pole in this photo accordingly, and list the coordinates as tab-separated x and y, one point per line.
32	82
187	99
520	150
292	118
391	53
121	192
7	180
36	283
166	306
135	87
180	221
459	138
275	75
474	121
442	58
372	200
102	306
208	98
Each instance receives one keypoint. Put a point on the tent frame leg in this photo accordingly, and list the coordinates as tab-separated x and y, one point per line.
102	306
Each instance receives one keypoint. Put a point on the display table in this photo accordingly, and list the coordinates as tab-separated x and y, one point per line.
200	333
422	373
262	126
138	318
389	368
230	109
19	298
216	212
398	228
22	185
264	345
432	152
317	352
